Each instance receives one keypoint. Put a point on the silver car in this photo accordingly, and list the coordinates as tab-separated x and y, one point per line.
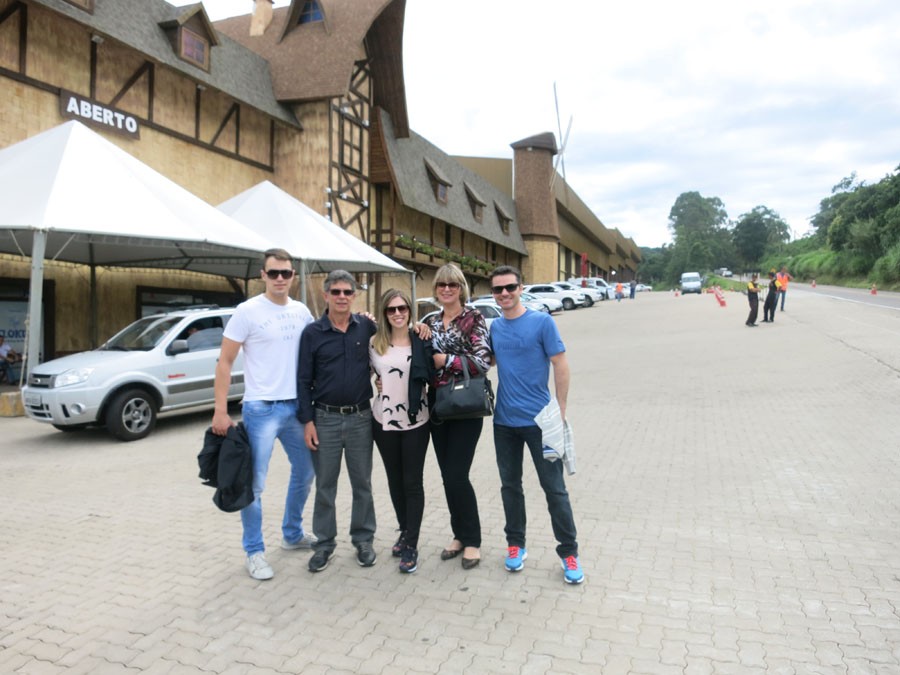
158	363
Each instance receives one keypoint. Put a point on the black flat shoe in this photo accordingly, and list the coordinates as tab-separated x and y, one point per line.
469	563
450	553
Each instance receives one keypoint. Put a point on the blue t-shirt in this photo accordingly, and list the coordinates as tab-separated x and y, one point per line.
522	349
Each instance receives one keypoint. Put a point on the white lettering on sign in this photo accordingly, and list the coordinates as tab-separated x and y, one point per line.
77	107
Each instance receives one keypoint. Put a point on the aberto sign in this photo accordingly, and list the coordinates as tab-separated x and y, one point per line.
75	107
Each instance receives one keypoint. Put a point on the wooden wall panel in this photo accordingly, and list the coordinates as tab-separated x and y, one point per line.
59	52
173	106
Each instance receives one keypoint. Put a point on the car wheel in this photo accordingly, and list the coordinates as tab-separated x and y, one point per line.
131	415
69	427
588	301
547	309
568	303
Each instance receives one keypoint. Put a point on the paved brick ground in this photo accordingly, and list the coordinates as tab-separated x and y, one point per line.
736	501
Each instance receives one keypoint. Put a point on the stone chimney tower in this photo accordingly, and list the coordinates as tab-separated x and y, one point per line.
262	16
536	206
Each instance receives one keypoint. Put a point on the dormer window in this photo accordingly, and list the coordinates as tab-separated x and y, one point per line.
439	181
311	13
191	35
476	203
503	217
194	48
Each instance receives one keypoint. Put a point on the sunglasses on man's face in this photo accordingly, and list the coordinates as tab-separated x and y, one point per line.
447	284
509	288
284	274
397	309
341	291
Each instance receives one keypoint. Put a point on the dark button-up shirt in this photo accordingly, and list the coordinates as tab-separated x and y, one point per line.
334	366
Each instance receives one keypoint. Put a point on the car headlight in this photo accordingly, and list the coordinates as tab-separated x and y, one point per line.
70	377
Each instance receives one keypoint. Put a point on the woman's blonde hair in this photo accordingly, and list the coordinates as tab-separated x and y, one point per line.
382	340
451	273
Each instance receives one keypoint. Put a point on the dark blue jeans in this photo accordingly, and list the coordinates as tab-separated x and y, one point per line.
509	443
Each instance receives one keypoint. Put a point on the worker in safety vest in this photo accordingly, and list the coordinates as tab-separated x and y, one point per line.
783	278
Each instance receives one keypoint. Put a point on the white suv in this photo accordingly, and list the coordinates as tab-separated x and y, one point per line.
159	363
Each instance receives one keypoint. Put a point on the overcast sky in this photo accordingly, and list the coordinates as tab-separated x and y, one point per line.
757	103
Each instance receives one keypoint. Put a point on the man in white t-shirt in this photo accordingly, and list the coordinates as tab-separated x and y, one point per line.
268	328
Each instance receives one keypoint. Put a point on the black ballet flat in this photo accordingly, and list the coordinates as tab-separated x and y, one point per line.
450	553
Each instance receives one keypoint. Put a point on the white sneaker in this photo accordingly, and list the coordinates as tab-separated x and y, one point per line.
258	567
306	541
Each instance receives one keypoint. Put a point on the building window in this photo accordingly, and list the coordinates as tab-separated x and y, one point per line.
439	181
86	5
194	48
476	203
311	13
503	218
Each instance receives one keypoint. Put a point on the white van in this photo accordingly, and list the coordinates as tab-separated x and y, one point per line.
691	282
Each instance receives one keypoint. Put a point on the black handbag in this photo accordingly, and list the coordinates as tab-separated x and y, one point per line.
465	397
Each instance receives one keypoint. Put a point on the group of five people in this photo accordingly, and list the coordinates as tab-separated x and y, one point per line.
308	384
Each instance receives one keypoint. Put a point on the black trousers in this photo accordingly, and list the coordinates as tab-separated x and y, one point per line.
754	309
769	306
403	454
454	446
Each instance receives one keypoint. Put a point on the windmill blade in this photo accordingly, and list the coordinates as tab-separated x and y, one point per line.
560	157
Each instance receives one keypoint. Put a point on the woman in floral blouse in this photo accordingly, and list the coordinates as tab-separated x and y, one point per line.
458	331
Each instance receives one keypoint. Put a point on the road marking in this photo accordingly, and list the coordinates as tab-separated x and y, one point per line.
858	302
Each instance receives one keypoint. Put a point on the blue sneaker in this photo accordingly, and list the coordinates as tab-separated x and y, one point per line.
572	570
515	558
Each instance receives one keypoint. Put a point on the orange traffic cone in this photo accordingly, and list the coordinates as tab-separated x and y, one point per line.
874	290
677	293
814	283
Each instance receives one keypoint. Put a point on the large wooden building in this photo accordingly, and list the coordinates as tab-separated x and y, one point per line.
310	97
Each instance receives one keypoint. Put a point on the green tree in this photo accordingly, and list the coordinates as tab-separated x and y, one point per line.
758	231
697	225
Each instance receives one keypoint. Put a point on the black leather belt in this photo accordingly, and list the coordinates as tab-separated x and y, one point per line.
343	409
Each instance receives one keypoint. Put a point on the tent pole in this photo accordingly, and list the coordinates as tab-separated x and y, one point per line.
412	292
302	281
94	318
35	300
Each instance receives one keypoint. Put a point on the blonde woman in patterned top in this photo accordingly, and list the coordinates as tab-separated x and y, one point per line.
458	331
403	363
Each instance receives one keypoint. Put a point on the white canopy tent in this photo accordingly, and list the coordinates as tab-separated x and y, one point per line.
315	241
69	194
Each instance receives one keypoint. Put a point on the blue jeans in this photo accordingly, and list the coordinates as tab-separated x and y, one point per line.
509	444
350	437
782	294
265	421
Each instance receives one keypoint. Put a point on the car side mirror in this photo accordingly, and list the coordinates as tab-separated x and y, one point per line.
178	347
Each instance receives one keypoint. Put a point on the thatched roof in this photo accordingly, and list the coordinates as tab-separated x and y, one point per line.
140	24
314	61
409	159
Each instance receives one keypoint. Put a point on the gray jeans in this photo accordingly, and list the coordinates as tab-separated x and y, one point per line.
340	436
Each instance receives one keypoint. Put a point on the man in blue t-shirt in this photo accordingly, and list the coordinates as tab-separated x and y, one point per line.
525	344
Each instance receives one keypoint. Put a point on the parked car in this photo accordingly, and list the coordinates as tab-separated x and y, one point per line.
158	363
642	287
595	282
539	304
591	293
569	299
691	282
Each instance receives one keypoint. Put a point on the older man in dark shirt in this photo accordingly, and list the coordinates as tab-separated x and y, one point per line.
334	392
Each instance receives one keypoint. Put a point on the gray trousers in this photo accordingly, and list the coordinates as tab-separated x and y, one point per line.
348	436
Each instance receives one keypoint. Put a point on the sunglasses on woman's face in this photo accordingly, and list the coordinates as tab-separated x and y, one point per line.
341	291
447	284
396	309
284	274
